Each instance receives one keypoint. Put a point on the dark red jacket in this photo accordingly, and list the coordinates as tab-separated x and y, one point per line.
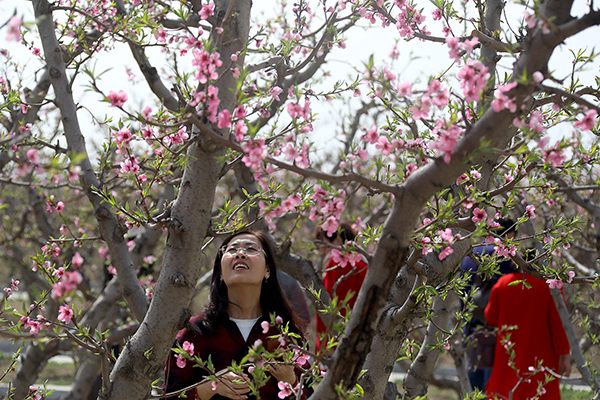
224	344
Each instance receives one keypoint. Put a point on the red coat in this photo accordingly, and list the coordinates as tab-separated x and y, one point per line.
353	282
539	337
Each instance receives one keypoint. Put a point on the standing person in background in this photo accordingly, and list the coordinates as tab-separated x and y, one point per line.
244	293
343	278
531	340
480	356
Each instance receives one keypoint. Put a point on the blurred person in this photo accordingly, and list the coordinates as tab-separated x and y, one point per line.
344	278
531	340
480	356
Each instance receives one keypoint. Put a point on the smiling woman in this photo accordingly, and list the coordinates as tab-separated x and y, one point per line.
244	294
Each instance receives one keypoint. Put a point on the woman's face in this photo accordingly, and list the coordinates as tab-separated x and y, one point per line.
243	262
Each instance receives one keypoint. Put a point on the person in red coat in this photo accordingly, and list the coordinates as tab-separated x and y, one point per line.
342	275
531	340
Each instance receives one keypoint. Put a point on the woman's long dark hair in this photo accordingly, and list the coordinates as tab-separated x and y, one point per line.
272	299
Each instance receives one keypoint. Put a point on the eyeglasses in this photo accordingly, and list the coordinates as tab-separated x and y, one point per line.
250	251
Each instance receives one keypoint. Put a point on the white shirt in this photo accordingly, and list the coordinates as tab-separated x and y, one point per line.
244	325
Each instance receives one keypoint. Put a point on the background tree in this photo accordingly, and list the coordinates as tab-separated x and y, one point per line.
224	136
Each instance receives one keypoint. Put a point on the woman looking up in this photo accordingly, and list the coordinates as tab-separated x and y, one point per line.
244	293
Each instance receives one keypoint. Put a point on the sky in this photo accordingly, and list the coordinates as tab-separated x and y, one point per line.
417	61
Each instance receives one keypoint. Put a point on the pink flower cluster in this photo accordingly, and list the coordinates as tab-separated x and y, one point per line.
409	20
130	165
206	65
256	151
473	78
297	111
210	96
35	325
177	138
343	260
448	138
188	348
456	46
14	287
117	99
122	138
554	156
479	215
14	32
446	236
329	209
207	10
502	101
65	313
300	158
589	121
67	283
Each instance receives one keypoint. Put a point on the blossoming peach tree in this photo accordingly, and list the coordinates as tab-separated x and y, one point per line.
113	199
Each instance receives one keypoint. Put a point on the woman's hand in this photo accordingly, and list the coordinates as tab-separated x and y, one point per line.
282	372
228	384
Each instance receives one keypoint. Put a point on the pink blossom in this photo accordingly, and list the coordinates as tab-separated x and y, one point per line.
536	122
291	202
437	14
446	235
77	260
588	122
206	65
529	20
188	347
224	119
530	211
213	386
422	108
130	165
255	151
265	326
276	92
554	283
384	146
161	35
555	156
32	156
502	101
240	130
371	136
285	389
60	207
207	10
452	43
330	226
278	320
117	99
473	78
479	215
448	138
538	76
122	138
65	314
404	89
504	251
299	358
469	44
13	29
181	361
445	253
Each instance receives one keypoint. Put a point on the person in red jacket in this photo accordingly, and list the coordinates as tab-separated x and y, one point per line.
531	341
343	277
